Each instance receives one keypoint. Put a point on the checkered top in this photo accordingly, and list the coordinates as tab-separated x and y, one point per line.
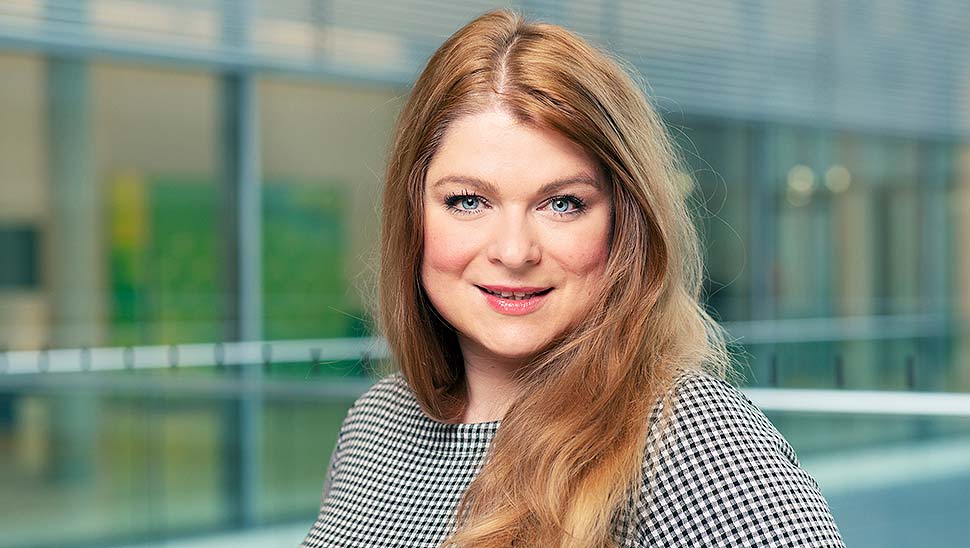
728	478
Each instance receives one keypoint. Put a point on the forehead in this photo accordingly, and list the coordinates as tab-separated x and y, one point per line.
494	146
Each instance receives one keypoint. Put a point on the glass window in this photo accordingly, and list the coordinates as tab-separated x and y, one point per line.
323	163
24	203
323	152
156	163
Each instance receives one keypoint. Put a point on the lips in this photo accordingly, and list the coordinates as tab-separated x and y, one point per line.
514	301
514	293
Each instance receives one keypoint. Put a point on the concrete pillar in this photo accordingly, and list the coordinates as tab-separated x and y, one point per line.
960	204
74	267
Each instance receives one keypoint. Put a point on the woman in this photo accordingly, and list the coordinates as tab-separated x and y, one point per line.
559	384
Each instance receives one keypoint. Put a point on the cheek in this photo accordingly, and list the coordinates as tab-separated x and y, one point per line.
446	250
587	261
584	253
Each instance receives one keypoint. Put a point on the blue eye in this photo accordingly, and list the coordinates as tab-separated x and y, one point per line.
465	203
560	205
566	205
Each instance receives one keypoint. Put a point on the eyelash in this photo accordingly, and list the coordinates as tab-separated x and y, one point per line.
452	200
579	206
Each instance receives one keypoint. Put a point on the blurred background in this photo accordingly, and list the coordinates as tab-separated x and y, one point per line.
189	197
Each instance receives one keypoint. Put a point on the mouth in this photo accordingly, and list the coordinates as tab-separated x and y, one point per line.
514	301
514	293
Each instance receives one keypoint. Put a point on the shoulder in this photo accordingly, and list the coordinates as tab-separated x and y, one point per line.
725	476
388	399
711	412
378	423
387	412
388	392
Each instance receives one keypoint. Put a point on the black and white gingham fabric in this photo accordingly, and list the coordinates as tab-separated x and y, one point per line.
728	477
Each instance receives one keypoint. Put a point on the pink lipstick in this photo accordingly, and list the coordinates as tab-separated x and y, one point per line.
514	301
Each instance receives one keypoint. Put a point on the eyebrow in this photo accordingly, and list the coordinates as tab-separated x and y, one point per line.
488	188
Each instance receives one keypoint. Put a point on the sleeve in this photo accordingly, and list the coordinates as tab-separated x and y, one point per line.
727	477
333	466
331	470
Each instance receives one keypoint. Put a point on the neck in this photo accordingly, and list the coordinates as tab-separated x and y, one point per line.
490	388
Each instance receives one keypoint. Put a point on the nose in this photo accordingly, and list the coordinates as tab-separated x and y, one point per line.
513	243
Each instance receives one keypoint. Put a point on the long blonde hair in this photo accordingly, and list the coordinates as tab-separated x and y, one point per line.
570	452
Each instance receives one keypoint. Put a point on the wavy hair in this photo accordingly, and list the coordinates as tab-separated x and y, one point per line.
572	446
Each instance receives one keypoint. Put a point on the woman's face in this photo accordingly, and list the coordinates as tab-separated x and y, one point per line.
516	235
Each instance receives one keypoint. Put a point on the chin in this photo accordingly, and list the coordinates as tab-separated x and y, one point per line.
517	354
501	348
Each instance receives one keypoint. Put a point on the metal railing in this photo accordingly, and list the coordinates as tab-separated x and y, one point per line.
40	369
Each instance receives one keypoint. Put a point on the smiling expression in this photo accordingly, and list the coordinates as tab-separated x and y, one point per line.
517	226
